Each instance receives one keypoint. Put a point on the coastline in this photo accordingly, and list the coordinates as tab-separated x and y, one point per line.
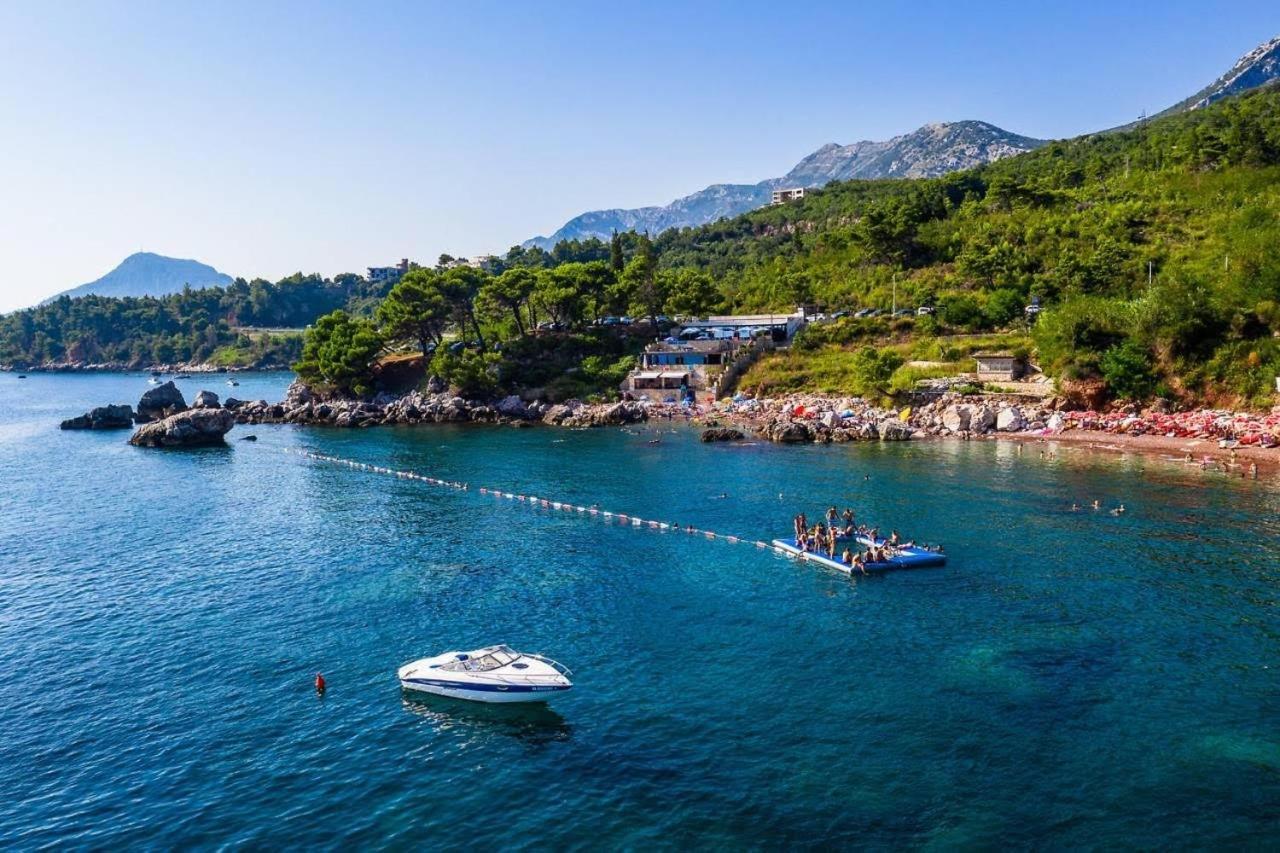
1169	448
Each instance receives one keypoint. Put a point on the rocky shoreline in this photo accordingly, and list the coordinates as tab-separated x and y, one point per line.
789	420
123	367
301	405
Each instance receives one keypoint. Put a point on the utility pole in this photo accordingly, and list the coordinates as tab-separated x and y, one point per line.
895	293
1151	265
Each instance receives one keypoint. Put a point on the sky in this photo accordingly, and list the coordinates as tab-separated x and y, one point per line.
272	138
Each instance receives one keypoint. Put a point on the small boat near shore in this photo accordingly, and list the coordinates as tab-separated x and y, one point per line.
904	556
491	674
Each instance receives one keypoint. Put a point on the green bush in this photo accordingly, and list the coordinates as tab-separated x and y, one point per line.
471	374
1126	368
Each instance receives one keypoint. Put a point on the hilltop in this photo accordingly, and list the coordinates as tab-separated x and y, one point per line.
149	274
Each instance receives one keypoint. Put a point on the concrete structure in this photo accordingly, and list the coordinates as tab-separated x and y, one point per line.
782	327
666	368
785	195
999	366
389	273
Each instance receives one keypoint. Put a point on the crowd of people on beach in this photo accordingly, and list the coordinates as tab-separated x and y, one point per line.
838	528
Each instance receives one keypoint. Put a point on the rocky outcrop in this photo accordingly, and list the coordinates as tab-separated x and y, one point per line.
103	417
160	402
206	400
302	406
722	434
190	428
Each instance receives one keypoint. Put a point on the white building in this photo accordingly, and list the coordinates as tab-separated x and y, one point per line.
785	195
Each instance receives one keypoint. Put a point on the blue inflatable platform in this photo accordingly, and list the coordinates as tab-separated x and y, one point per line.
909	557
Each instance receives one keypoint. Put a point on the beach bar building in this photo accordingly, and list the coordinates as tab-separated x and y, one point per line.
669	367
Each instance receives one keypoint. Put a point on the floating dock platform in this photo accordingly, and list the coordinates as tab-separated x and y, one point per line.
909	557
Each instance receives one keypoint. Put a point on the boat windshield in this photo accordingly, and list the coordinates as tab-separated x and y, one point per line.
499	657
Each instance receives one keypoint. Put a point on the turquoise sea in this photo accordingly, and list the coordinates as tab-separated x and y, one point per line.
1069	680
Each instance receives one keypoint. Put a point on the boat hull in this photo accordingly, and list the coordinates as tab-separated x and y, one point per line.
497	694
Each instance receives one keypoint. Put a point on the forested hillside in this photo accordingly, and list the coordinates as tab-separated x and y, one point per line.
1189	202
194	325
1152	250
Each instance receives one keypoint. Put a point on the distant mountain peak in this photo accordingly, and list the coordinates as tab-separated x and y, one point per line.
150	274
928	151
1256	68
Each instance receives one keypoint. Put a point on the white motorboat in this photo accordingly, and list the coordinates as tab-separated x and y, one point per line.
492	674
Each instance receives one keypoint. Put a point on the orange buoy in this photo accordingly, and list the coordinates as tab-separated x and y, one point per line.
320	685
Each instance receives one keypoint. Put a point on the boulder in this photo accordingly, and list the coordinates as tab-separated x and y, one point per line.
190	428
233	403
512	406
206	400
103	417
789	432
159	402
1010	420
830	420
298	394
956	418
982	419
893	429
1055	422
436	385
722	434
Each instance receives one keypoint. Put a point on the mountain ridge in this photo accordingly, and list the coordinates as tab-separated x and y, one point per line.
928	151
150	274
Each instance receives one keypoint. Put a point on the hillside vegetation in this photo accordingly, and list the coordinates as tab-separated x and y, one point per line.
1152	250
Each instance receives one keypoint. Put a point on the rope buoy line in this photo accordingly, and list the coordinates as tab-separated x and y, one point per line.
593	512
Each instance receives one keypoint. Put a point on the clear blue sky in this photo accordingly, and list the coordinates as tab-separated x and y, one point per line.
266	138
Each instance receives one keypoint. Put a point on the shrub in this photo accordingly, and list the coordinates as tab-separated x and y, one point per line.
1126	368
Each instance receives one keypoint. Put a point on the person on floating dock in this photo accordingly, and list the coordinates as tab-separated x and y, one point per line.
831	514
848	516
893	538
831	539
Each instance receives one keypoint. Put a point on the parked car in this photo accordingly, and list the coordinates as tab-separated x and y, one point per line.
903	312
839	315
925	310
863	312
550	327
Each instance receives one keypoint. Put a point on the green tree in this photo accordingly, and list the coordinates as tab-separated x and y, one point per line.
1126	368
690	291
641	281
511	290
461	286
338	352
415	309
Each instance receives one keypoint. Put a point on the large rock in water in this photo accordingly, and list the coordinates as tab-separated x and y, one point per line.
192	428
159	402
103	417
722	434
206	400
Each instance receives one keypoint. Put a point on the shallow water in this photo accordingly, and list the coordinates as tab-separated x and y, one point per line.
1070	679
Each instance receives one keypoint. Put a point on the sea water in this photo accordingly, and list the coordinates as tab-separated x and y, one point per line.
1069	679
